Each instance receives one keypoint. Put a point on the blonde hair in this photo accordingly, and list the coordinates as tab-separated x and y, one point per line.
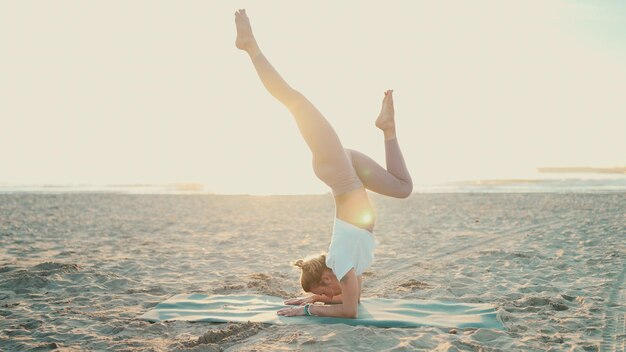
312	270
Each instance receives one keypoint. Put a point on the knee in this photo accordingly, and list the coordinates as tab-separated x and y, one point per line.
291	98
407	189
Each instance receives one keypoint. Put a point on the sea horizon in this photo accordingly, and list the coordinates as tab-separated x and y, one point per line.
550	184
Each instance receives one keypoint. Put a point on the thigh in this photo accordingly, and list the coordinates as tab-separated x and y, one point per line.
375	177
337	173
317	132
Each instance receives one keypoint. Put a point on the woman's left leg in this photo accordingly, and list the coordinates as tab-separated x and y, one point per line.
395	181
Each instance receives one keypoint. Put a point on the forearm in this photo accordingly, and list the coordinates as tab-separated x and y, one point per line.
335	310
333	300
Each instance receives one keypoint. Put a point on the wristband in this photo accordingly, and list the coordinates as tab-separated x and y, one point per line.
306	309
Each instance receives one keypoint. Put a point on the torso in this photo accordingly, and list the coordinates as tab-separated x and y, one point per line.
355	208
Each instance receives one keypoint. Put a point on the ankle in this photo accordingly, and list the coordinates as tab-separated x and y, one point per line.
389	133
253	51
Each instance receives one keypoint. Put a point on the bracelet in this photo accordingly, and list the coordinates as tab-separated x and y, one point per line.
307	312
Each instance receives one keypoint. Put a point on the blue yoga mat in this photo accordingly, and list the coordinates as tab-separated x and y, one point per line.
380	312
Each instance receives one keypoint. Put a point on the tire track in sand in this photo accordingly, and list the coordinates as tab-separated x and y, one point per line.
497	237
614	334
404	271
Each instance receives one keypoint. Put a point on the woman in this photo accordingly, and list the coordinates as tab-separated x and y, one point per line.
335	277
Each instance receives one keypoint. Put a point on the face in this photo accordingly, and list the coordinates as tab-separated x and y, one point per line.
329	285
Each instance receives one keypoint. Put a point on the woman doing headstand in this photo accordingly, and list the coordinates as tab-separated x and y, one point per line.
335	277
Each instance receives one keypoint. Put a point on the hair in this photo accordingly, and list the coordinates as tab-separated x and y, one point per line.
312	270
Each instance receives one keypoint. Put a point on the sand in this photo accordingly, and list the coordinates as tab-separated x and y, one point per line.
76	270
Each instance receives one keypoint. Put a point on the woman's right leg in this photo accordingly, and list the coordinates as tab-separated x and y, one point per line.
330	162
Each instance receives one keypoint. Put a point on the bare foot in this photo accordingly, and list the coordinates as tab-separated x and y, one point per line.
245	39
385	120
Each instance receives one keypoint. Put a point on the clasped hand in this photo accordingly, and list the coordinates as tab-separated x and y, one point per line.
292	311
299	302
302	300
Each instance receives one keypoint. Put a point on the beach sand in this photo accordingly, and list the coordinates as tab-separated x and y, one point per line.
76	270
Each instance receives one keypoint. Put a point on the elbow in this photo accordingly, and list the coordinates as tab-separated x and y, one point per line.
350	314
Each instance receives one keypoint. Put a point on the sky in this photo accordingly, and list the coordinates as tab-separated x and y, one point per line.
151	92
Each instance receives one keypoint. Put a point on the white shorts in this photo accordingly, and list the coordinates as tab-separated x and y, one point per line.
350	247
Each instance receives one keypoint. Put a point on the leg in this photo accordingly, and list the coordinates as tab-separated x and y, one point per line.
396	180
393	182
330	162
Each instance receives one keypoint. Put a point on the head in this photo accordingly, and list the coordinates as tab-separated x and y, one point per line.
317	278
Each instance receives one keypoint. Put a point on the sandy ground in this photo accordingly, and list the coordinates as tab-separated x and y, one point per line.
76	270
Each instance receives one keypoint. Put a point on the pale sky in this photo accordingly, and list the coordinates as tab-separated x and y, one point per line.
144	92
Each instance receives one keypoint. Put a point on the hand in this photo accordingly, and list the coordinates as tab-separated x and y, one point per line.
292	311
302	300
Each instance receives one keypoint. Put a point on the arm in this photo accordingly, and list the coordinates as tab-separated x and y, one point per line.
334	300
337	299
321	298
313	299
349	296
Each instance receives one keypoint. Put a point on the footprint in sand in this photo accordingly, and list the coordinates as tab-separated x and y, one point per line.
226	289
414	285
221	338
